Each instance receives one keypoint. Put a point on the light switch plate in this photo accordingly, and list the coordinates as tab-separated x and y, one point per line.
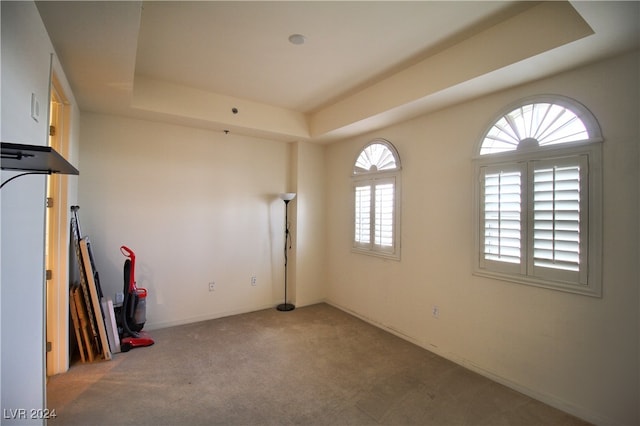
35	107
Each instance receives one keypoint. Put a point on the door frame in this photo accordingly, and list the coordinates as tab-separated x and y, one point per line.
57	288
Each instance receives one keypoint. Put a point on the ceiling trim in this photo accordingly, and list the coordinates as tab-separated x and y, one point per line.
182	102
543	28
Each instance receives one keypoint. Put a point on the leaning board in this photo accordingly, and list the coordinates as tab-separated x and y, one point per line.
89	342
95	302
77	327
110	323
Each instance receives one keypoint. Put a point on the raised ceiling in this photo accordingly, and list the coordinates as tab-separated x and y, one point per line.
363	65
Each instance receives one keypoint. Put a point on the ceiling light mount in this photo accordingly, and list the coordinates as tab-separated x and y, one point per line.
297	39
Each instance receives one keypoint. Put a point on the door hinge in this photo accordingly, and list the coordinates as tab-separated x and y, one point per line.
48	274
49	347
49	202
52	130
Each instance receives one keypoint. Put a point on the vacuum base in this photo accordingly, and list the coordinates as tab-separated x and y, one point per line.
142	340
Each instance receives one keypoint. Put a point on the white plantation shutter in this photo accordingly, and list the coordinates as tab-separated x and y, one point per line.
384	217
559	218
375	217
538	232
502	216
363	215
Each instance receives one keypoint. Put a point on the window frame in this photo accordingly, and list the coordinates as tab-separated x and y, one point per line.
371	178
588	280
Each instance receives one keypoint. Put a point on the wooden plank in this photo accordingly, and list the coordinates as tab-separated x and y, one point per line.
95	302
76	326
85	327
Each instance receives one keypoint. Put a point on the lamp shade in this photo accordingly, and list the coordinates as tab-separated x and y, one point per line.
288	196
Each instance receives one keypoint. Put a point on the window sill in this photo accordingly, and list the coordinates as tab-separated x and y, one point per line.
592	291
373	253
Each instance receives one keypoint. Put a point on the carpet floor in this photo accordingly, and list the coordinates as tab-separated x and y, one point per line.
315	365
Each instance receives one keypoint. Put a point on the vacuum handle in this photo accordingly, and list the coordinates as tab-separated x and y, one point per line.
127	252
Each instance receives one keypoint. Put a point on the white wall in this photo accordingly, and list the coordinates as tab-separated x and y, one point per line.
576	352
308	272
26	64
194	205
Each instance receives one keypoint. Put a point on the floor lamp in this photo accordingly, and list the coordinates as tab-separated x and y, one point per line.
286	197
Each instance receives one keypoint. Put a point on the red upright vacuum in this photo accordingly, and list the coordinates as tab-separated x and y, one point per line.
134	309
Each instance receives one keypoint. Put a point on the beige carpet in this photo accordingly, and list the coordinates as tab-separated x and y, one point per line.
313	366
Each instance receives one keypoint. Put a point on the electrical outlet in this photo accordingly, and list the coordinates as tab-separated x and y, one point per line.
254	281
435	311
212	286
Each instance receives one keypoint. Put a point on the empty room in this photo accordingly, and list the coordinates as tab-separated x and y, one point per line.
324	212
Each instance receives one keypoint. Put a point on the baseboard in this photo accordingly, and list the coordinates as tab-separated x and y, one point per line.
548	399
149	326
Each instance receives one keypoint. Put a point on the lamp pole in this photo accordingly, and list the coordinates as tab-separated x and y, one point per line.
287	197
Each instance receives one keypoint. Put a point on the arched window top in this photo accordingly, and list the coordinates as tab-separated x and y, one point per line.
378	155
538	122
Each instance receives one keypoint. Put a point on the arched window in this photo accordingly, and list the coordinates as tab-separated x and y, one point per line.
539	196
376	188
541	122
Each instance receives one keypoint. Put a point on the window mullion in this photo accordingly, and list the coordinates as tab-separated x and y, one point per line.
529	220
372	215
